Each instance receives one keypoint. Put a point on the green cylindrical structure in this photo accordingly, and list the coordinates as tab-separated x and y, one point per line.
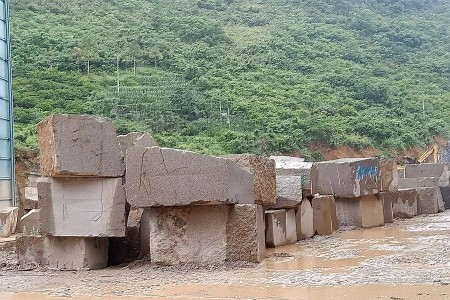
7	176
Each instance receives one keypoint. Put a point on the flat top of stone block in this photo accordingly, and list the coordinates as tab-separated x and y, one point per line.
290	162
8	210
346	160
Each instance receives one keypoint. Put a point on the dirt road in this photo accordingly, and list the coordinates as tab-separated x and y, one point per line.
409	259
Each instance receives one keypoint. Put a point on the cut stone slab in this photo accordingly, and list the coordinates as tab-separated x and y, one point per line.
30	224
348	177
388	199
429	199
74	145
203	235
388	175
365	211
65	253
445	191
417	182
168	177
440	171
407	204
323	214
294	166
304	218
144	234
263	170
142	139
289	192
281	227
30	201
8	221
245	233
82	207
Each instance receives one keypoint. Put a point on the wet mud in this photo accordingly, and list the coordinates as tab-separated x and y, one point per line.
409	259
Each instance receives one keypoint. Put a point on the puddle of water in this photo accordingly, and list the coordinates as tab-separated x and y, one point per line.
310	262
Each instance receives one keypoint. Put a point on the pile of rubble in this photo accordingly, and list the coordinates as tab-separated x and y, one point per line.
105	200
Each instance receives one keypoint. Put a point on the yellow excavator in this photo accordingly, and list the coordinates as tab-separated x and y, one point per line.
434	150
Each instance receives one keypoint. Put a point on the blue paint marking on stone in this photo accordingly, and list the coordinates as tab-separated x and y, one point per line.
362	172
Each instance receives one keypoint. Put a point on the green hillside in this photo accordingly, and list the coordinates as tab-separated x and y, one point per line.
224	76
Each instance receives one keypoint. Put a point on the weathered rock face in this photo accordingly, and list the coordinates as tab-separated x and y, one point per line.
206	234
83	207
65	253
304	218
365	211
349	177
430	199
407	205
323	207
294	166
8	221
419	182
281	227
388	199
245	233
30	224
388	175
73	145
142	139
440	171
263	170
168	177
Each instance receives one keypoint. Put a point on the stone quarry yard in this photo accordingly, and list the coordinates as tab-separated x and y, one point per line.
409	259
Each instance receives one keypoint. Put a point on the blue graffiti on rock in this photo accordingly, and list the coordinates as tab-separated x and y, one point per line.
370	172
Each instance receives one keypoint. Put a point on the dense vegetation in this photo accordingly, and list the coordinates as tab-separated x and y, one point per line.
221	76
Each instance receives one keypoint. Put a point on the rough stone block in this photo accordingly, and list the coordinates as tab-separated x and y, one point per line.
65	253
365	211
429	199
294	166
30	224
142	139
349	177
281	227
82	207
289	192
73	145
263	170
206	234
245	233
440	171
323	206
388	175
388	199
304	218
407	205
445	191
30	201
417	182
8	221
168	177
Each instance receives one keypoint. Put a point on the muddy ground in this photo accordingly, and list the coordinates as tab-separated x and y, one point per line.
409	259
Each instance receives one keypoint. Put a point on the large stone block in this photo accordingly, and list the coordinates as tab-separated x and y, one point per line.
263	170
294	166
388	199
388	175
206	234
8	221
245	233
304	218
445	191
365	211
73	145
30	224
142	139
417	182
289	192
168	177
440	171
349	177
83	207
281	228
429	199
407	205
65	253
323	206
30	201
